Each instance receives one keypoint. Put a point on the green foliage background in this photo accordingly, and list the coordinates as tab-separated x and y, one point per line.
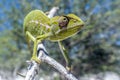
91	51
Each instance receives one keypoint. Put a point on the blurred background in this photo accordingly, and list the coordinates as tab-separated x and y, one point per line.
95	53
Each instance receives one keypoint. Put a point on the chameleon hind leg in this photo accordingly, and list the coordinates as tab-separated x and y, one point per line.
66	56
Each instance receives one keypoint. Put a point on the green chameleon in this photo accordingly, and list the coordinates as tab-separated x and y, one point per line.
38	27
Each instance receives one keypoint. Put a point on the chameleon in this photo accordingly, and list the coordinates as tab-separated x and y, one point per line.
38	27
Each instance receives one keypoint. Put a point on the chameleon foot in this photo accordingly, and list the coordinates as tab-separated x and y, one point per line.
36	59
68	69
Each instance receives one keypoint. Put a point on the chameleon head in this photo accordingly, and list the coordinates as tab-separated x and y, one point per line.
68	26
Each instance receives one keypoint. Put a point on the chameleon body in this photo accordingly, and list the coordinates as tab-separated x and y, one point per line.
38	27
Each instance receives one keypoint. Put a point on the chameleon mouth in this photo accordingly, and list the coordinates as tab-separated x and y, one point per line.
69	31
77	28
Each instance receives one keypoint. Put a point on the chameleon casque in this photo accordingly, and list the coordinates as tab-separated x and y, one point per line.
38	27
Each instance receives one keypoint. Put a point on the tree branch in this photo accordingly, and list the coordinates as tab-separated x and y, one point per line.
34	67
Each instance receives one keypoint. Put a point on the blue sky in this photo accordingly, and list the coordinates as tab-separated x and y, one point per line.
7	4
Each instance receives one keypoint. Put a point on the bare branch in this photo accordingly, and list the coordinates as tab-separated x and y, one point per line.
45	58
32	71
52	12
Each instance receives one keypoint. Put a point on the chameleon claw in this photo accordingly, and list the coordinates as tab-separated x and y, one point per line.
36	59
68	69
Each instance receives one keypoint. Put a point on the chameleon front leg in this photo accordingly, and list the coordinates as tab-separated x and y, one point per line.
65	55
36	41
34	55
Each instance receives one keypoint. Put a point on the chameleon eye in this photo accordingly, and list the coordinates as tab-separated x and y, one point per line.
63	23
65	19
